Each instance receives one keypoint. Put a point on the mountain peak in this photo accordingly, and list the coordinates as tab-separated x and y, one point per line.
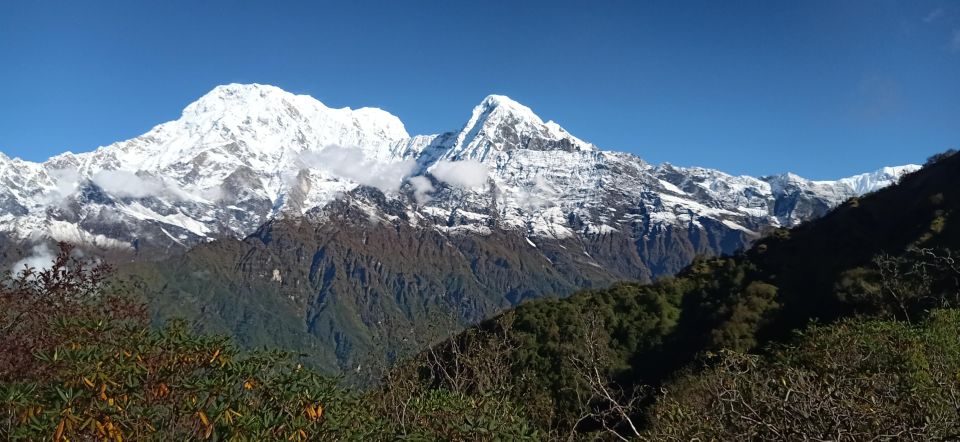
268	115
503	102
495	108
878	179
245	88
245	153
500	123
245	98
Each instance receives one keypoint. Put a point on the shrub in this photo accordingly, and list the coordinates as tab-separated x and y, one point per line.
79	362
855	380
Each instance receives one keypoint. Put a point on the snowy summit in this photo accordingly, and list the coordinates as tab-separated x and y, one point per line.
244	154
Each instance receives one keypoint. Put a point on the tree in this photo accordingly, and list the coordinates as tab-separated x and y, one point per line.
79	362
940	156
859	379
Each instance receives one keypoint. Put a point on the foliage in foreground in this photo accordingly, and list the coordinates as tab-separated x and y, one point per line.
875	375
80	364
860	379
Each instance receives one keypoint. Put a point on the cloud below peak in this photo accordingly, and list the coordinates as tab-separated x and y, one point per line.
421	189
352	164
467	174
128	184
41	258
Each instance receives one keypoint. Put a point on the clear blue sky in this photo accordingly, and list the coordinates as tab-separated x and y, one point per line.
820	88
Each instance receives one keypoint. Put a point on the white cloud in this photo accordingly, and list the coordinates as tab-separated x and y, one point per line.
214	193
955	41
352	164
65	183
421	189
123	184
41	258
537	195
468	173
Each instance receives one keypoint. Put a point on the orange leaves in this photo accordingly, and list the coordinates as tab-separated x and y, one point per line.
171	386
29	413
161	391
207	426
314	411
217	356
107	430
58	435
110	382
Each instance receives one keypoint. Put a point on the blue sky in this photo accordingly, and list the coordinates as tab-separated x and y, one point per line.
821	88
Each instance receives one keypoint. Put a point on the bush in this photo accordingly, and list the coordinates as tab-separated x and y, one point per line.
79	362
855	380
41	311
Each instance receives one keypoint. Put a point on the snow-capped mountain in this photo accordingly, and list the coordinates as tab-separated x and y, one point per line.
242	155
357	237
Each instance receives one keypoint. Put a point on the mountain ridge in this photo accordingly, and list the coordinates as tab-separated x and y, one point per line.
346	251
244	154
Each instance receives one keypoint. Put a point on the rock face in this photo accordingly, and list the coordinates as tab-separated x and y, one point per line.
335	230
246	154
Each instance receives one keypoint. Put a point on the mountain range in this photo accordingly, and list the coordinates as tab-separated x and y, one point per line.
242	155
284	221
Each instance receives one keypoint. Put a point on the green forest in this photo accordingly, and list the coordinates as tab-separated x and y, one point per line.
844	328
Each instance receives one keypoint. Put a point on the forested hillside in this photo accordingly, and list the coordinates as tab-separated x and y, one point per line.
604	357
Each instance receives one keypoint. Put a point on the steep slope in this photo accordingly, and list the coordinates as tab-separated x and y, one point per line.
364	281
823	270
225	167
357	293
245	154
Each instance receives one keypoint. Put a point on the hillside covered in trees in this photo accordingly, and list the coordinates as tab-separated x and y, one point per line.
857	306
844	329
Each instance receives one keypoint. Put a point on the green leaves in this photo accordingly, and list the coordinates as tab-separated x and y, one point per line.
856	379
100	373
